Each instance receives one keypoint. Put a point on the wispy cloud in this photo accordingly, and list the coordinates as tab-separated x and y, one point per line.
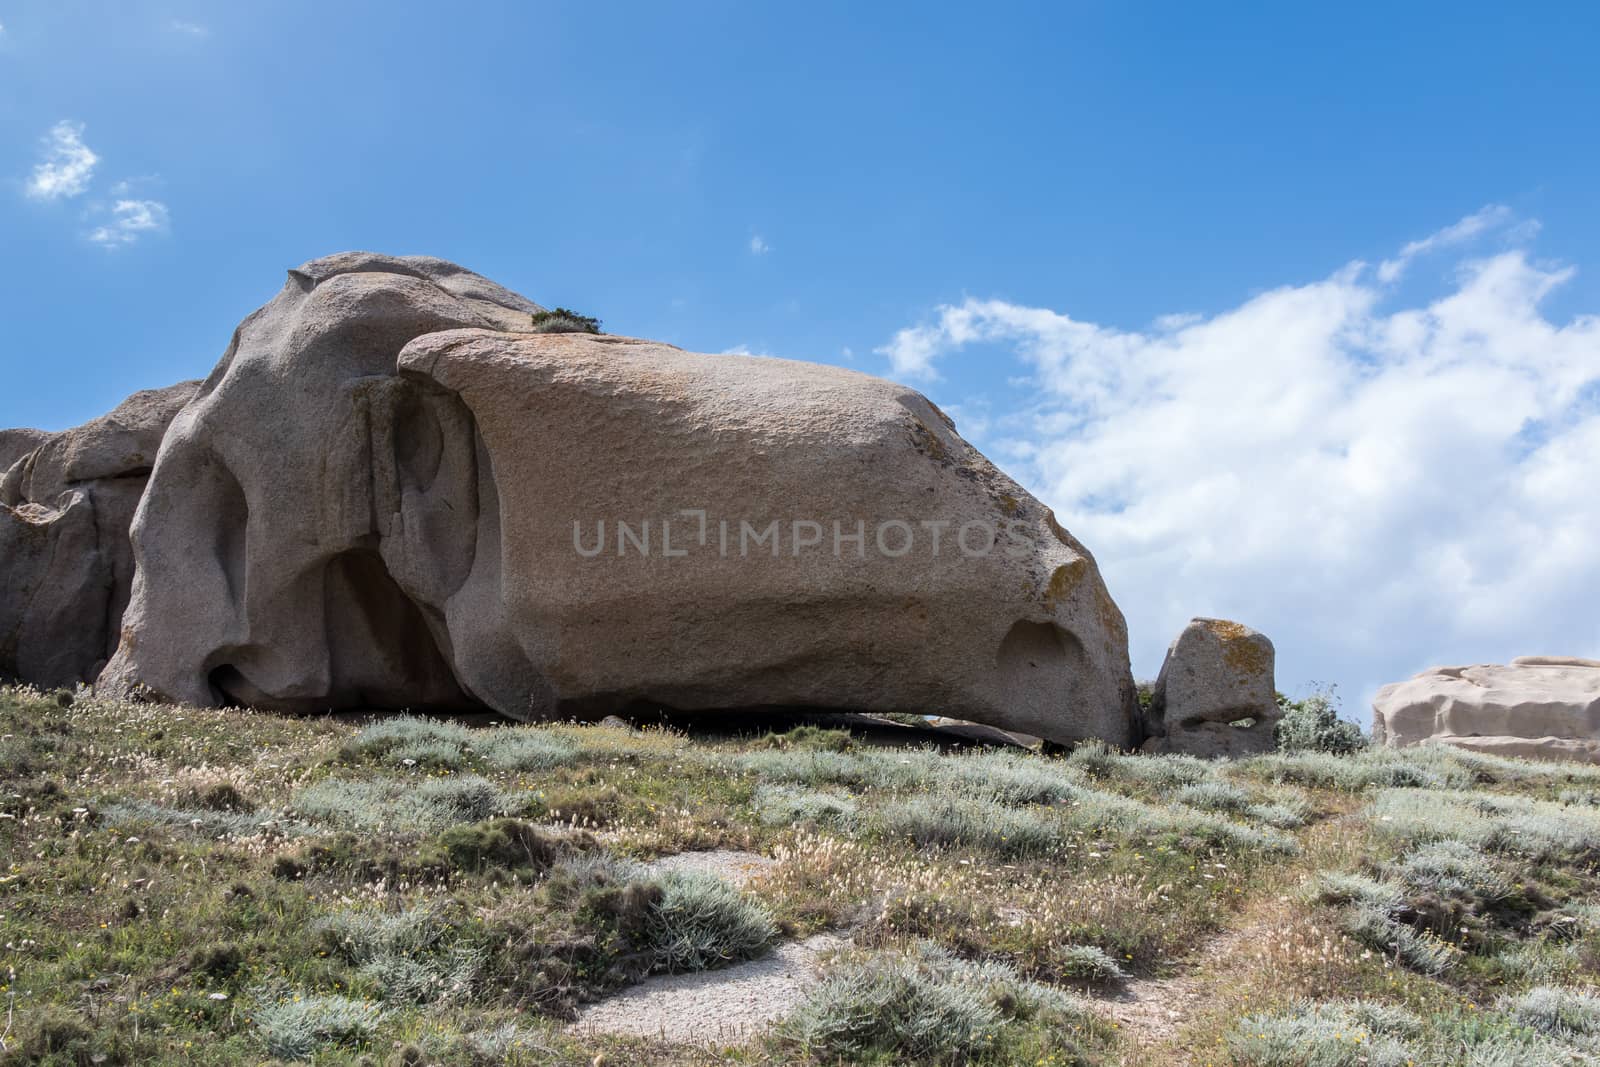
1378	487
759	246
130	220
1473	225
746	350
67	166
189	29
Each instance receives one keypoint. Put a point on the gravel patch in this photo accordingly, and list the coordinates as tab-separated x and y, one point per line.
723	1007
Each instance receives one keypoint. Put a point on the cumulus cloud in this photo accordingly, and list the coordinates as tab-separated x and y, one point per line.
130	220
759	246
1379	488
67	166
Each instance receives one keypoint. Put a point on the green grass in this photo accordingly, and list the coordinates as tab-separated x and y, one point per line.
219	887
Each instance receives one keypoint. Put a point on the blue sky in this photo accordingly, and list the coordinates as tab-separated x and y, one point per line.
1139	249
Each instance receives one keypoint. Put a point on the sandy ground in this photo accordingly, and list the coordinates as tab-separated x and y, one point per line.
725	1007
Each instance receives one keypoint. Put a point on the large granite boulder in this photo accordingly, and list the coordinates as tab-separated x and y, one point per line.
390	493
1215	695
65	509
1539	706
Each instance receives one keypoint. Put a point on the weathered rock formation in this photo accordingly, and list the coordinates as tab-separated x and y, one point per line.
14	444
1540	707
389	494
66	505
1215	694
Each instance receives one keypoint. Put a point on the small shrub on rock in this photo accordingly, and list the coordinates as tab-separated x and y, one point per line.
563	320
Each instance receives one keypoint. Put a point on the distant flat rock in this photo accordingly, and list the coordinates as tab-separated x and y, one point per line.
1540	707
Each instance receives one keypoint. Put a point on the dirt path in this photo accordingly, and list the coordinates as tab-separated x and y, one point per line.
726	1007
1152	1011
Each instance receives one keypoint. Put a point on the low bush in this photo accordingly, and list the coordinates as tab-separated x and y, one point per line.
1096	760
1086	963
385	739
780	806
1340	889
1214	796
204	822
1111	813
413	956
864	770
502	844
1541	830
524	748
563	320
1452	868
1556	1012
296	1027
1379	930
970	823
811	737
701	921
401	805
1347	1034
925	1005
1008	777
1314	725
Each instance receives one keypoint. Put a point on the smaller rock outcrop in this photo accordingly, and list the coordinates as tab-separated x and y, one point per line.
1540	707
66	502
14	444
1215	695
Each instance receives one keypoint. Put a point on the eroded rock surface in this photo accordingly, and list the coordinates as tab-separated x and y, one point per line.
389	494
1541	707
1215	694
66	505
15	444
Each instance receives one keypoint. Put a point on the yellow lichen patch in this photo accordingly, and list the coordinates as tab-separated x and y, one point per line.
928	442
1063	580
1242	654
1009	504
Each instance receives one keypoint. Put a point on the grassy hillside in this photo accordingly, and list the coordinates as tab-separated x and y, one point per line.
222	887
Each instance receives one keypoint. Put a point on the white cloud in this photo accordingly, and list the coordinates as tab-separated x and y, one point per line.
130	220
746	350
759	246
189	29
1377	488
1472	226
67	166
